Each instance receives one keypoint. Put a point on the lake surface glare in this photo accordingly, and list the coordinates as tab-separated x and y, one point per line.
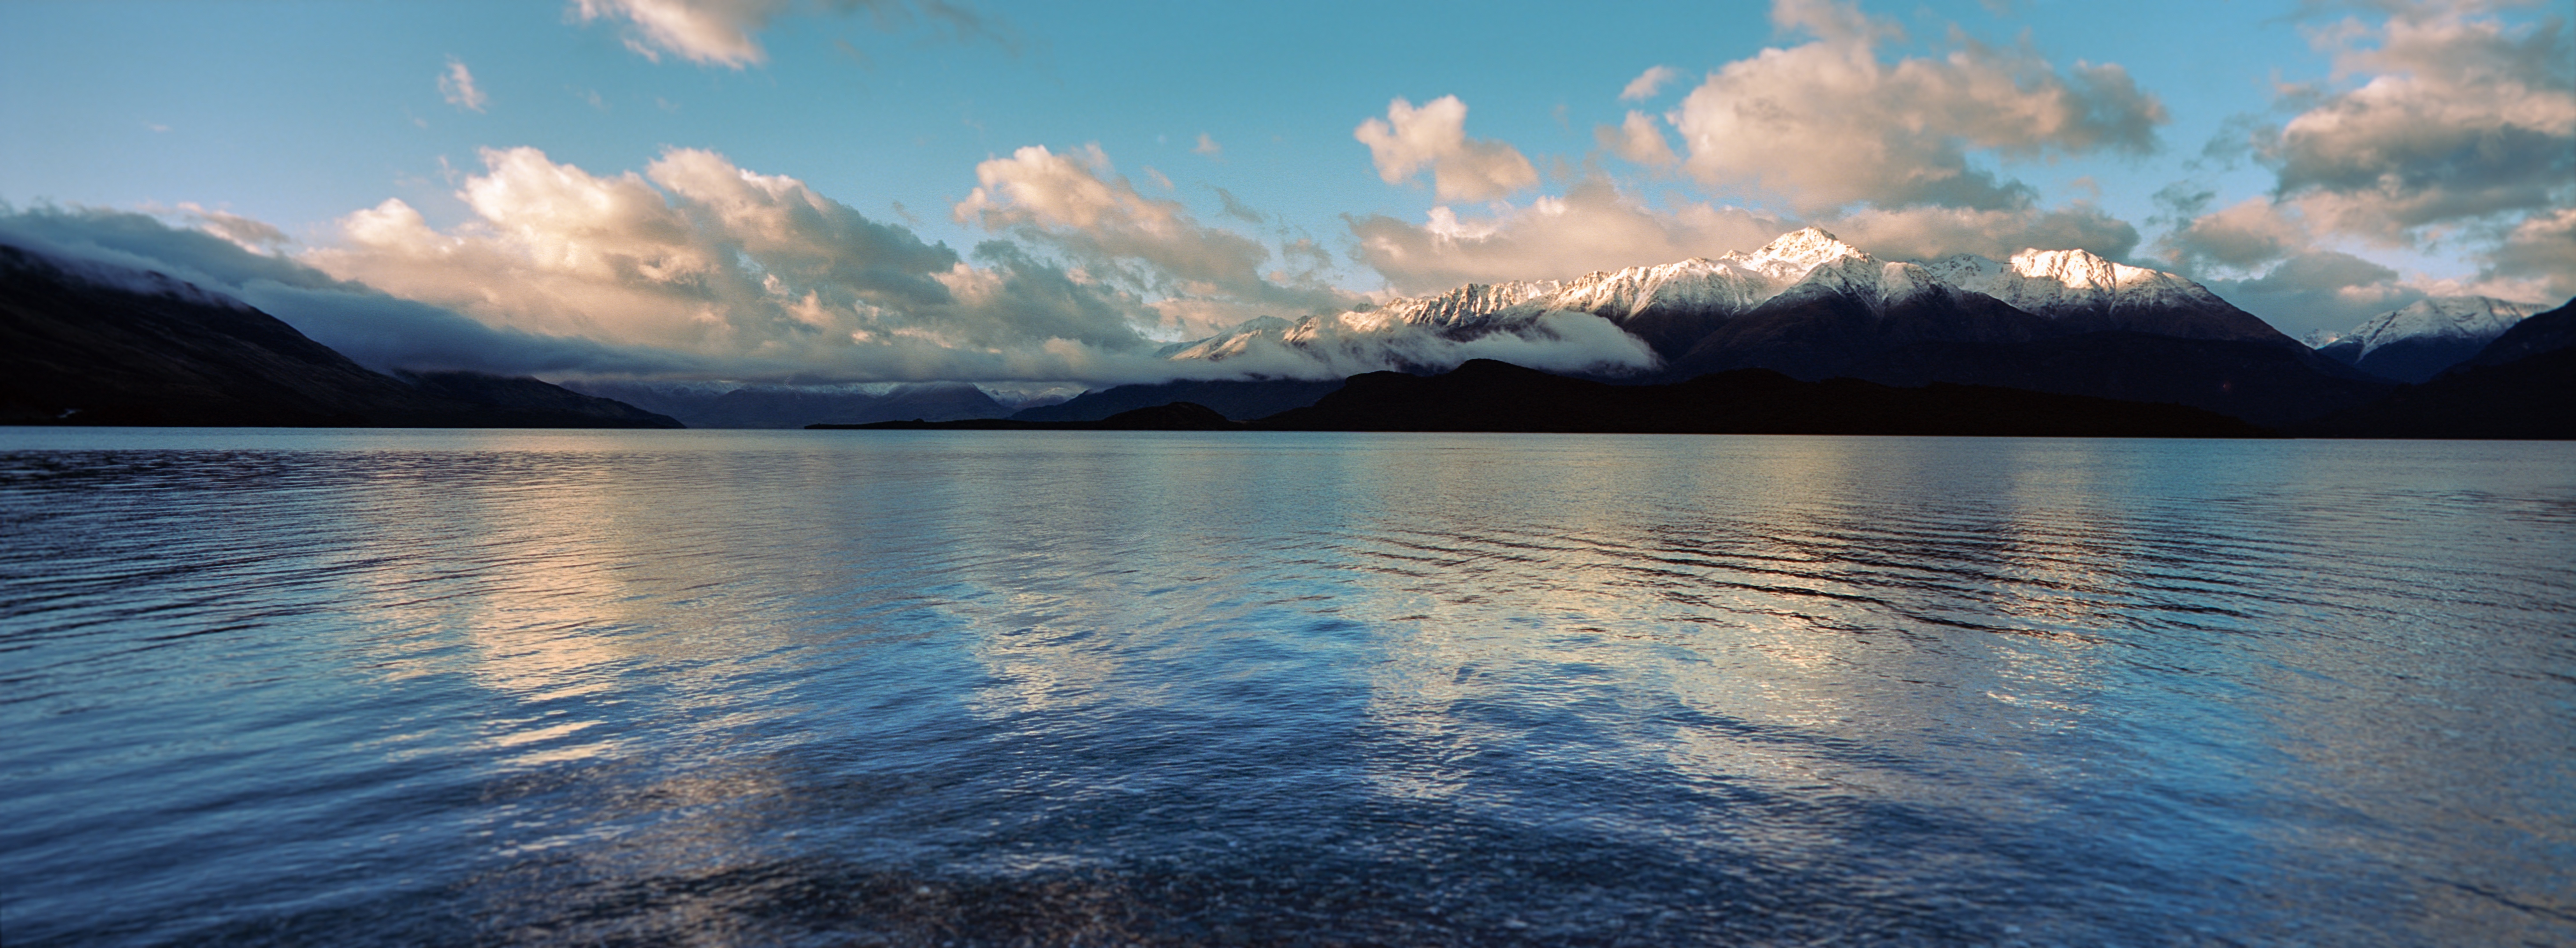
1090	688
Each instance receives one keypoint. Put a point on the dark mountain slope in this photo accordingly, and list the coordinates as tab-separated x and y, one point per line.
1824	335
2535	334
2406	360
1235	400
132	348
2258	381
771	406
2521	386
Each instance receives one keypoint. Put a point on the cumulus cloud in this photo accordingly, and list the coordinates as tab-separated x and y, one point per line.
2243	236
711	32
2461	117
740	275
2320	290
1826	123
1925	233
2536	261
457	85
1200	278
1208	146
2443	125
1636	139
1434	136
1593	227
376	329
1647	84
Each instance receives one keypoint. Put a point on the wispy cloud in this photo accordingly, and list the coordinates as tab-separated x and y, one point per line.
1647	84
726	32
457	85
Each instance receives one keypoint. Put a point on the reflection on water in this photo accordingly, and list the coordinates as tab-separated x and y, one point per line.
1094	688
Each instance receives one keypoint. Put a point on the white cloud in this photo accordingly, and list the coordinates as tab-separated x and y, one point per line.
1200	278
1636	139
1208	146
2536	261
1434	136
1593	227
710	32
1925	233
2242	236
457	85
725	32
2454	130
1826	124
738	274
2460	118
1647	84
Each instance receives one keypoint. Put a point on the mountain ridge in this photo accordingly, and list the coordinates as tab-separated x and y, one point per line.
90	344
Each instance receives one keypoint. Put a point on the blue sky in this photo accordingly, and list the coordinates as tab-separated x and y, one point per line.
1205	163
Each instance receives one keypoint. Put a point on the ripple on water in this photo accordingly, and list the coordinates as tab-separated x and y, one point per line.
577	687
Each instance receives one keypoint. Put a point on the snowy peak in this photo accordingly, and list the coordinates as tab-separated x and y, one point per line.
1859	276
1465	304
1791	255
2057	282
2462	318
1698	283
1671	307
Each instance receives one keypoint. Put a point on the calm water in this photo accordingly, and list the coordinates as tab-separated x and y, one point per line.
710	688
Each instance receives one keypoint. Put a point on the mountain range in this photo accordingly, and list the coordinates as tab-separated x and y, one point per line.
2419	341
93	344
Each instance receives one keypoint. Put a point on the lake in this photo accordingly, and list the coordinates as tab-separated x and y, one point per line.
981	688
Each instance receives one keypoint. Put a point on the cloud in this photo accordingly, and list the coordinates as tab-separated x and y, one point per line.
457	85
1434	136
1208	146
2243	236
1200	278
2319	290
1350	343
1826	124
708	32
1593	227
376	329
1925	233
741	275
1647	84
1636	139
2460	118
2536	261
1596	226
723	32
2451	129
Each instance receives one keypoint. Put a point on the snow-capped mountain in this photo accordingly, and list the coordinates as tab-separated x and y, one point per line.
2417	342
2085	292
1805	291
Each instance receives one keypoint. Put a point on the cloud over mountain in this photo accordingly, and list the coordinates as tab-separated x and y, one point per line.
747	272
2444	126
1827	123
1200	278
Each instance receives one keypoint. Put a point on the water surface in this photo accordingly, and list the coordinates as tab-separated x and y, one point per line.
354	687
